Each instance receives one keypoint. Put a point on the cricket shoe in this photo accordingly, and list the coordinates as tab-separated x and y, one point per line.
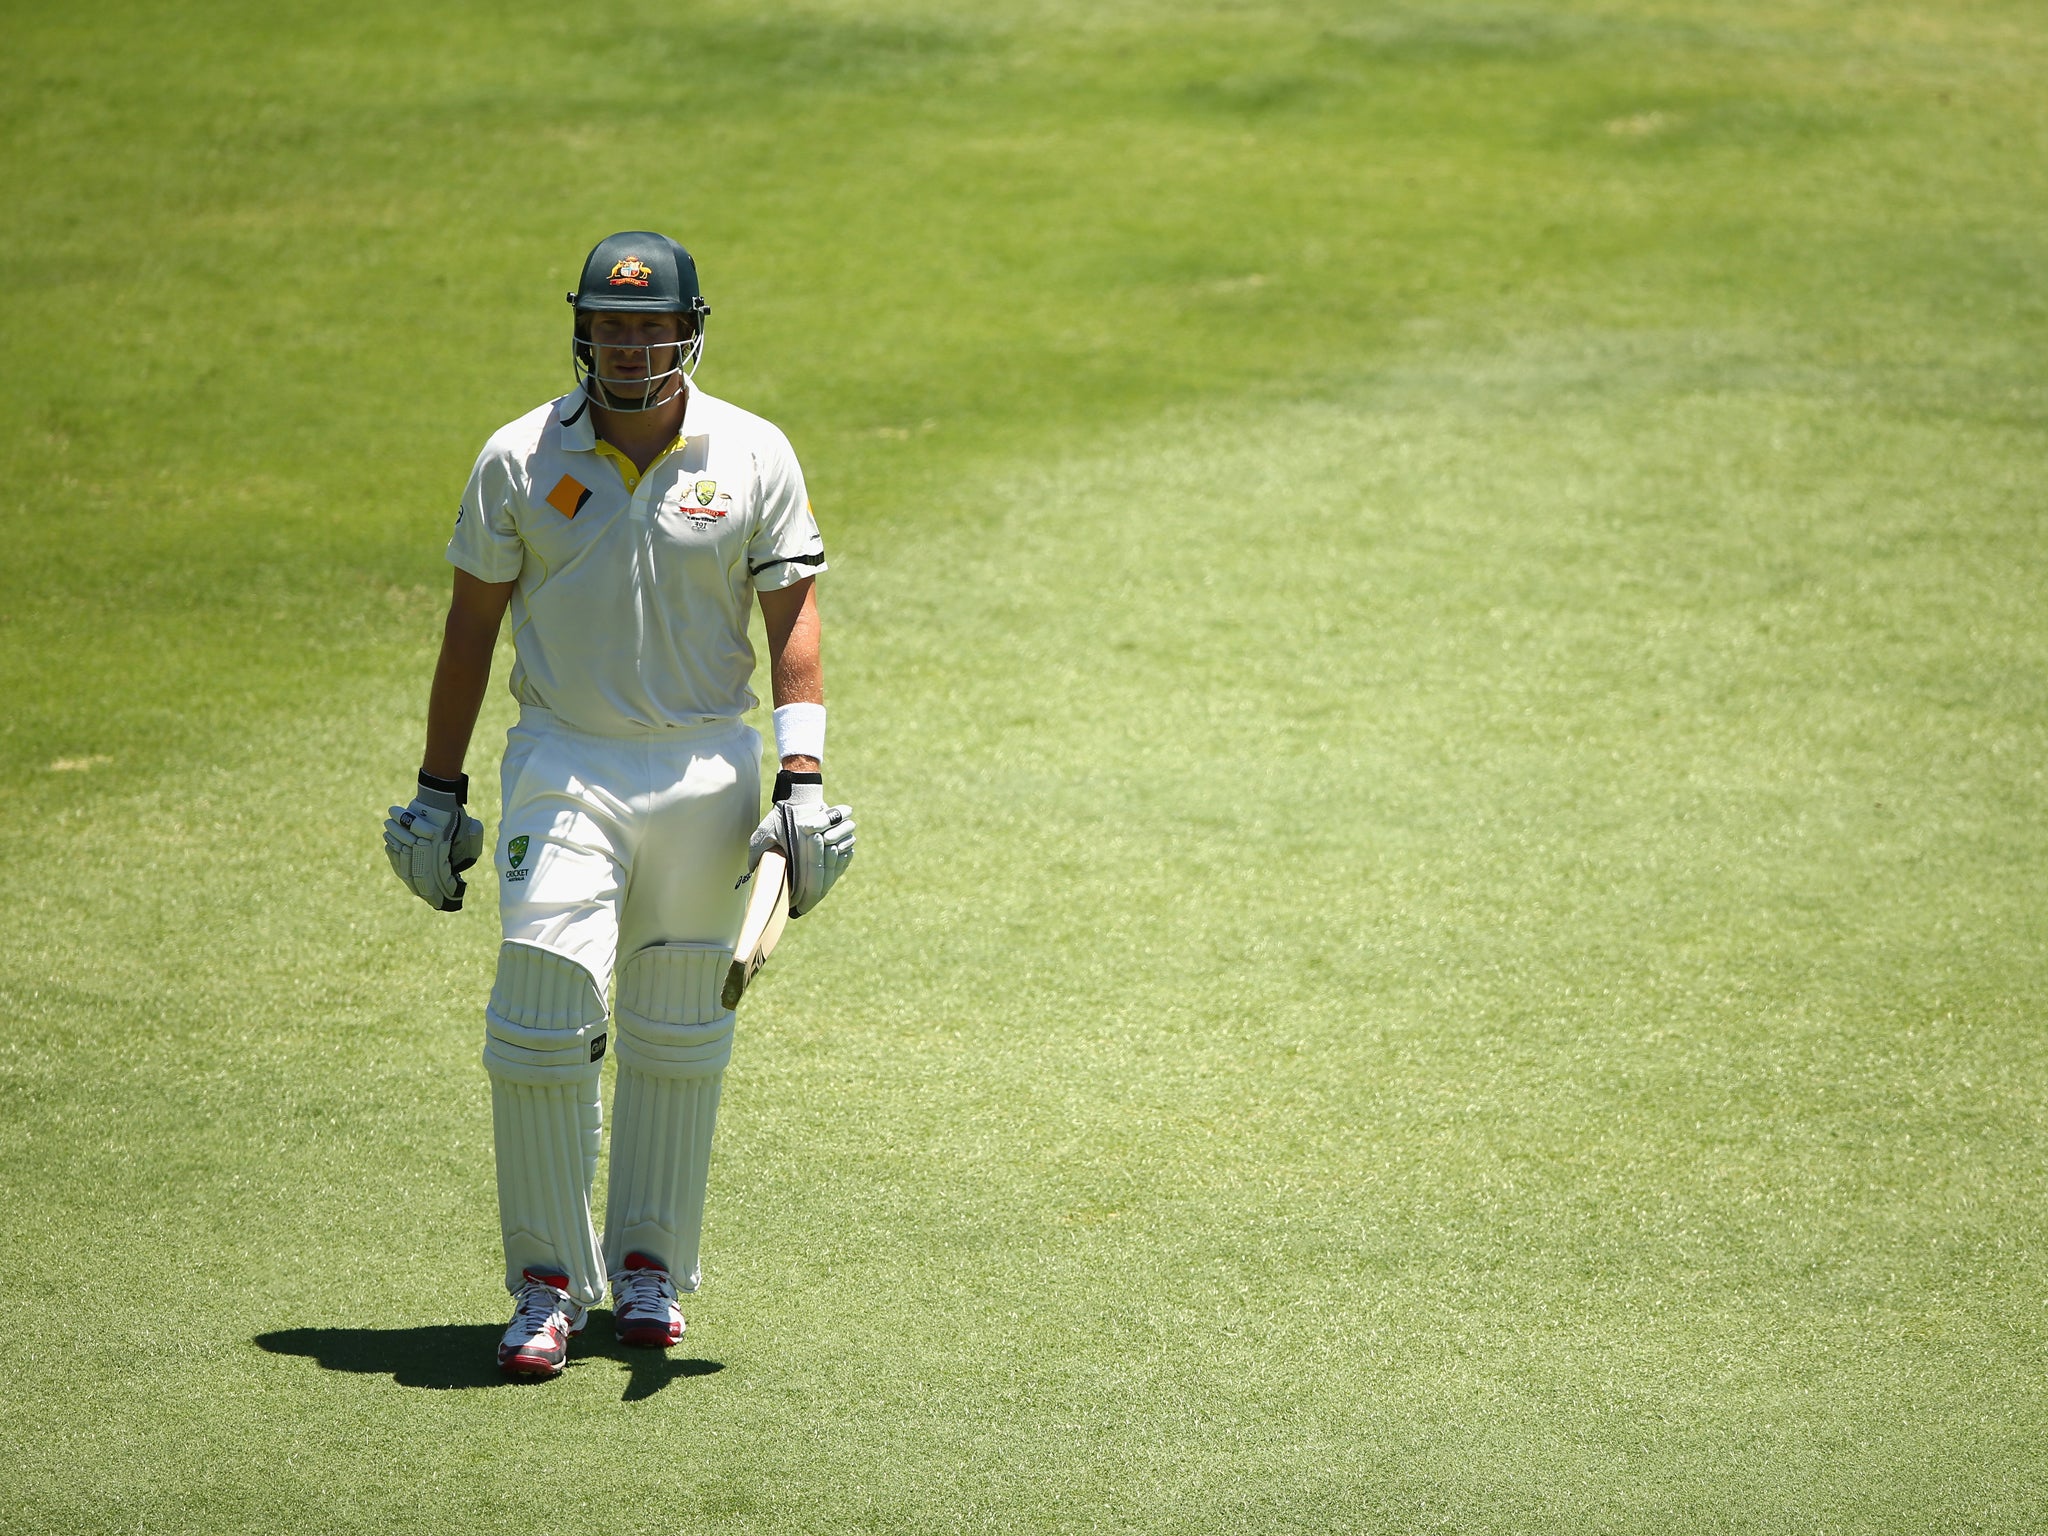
644	1309
537	1341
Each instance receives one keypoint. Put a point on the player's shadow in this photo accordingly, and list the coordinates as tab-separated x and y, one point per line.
447	1356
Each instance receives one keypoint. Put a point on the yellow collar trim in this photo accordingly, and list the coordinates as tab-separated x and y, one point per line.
628	471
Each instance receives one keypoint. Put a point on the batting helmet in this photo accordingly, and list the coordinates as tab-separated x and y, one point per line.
641	271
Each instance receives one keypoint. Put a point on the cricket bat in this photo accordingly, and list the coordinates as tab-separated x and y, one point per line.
767	915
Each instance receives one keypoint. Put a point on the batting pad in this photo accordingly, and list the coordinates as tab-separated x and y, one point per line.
674	1039
543	1037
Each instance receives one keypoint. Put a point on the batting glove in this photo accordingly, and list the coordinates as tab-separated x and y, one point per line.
816	838
433	840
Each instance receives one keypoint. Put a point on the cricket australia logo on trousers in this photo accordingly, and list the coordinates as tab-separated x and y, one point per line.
515	854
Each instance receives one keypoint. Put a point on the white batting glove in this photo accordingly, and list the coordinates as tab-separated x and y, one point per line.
816	838
433	840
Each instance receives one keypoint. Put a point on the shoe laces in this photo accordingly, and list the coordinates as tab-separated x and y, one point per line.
643	1288
538	1301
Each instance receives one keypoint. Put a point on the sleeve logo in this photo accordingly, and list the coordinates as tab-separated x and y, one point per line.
631	272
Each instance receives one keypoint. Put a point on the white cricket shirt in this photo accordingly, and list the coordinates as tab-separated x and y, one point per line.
630	613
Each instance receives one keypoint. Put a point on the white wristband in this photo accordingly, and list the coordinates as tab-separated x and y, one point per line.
800	731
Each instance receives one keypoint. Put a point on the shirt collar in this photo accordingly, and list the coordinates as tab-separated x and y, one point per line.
579	432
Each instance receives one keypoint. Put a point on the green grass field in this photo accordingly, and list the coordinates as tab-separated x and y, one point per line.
1439	628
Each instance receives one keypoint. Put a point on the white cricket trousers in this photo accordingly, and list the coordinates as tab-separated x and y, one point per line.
621	856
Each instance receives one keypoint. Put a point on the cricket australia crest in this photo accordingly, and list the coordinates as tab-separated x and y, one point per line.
704	502
631	272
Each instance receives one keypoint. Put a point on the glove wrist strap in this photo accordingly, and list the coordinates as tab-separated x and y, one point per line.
788	779
457	786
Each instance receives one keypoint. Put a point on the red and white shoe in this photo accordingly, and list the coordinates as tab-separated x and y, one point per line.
644	1309
537	1341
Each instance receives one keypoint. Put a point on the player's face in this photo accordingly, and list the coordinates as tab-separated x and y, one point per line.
633	347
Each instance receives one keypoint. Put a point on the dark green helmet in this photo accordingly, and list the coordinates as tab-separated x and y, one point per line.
639	270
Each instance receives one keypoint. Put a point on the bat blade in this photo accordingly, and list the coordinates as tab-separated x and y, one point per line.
767	915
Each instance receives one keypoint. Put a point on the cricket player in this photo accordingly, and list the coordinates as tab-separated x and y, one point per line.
628	525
